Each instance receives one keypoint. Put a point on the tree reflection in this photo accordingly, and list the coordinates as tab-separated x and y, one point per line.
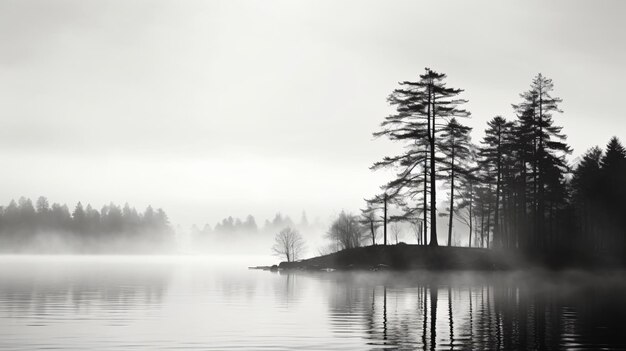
484	311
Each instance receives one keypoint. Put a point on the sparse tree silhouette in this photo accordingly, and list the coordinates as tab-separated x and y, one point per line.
396	232
346	231
369	220
515	192
465	210
288	243
494	147
545	149
422	108
456	146
376	213
417	228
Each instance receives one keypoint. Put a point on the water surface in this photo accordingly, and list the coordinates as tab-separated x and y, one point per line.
141	303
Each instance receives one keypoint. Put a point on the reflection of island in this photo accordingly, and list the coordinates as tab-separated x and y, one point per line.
499	312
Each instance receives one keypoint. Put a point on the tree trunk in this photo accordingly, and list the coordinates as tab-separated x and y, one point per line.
451	199
505	224
470	222
488	222
433	195
535	216
523	221
424	233
496	231
385	219
541	199
482	225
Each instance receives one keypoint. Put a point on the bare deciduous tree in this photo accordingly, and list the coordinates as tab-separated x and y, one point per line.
368	220
288	243
396	232
346	231
417	228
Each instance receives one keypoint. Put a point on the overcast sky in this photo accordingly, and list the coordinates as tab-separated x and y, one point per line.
217	108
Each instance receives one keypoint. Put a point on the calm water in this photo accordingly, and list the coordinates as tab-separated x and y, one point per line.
191	303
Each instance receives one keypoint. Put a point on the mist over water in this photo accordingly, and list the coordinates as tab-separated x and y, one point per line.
166	302
312	175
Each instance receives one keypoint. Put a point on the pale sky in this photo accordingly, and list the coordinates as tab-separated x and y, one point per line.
216	108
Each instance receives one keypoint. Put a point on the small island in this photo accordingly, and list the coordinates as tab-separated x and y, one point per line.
407	257
404	256
512	201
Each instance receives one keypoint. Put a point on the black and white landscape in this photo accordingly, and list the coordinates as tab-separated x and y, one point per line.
315	175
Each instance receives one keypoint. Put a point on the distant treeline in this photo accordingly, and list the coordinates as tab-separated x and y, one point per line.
249	225
514	190
245	236
24	226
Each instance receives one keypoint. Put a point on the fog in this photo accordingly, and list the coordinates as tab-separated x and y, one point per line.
46	227
229	108
211	110
312	175
139	302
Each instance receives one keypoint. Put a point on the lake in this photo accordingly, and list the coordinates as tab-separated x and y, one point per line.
144	302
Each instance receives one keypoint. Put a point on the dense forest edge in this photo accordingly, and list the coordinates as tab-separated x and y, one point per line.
519	199
45	228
